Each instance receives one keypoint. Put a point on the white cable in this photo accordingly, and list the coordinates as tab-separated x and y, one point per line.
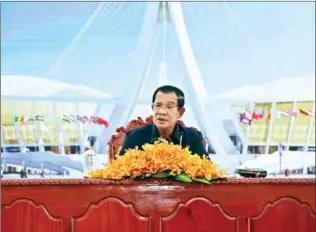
123	109
174	62
147	69
164	32
210	124
237	21
144	42
135	22
99	21
101	30
109	18
77	38
192	12
123	22
100	25
187	52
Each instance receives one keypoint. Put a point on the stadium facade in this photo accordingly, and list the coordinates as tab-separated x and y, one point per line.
60	120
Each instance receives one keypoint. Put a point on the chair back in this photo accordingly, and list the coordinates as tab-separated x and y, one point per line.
117	140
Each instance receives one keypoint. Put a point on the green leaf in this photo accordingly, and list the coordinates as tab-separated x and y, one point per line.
218	178
183	178
202	180
159	175
172	174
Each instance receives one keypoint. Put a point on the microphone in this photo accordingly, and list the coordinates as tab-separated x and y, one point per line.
169	139
180	142
153	140
156	139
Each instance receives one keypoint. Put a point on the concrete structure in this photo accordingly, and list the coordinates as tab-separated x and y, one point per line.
52	100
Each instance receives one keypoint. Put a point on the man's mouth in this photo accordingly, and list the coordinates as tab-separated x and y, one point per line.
161	120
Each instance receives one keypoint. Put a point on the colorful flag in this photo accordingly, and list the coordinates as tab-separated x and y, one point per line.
269	115
66	118
102	121
23	118
280	148
292	113
307	113
274	114
92	119
39	118
258	115
282	113
79	118
244	118
17	119
85	119
30	119
73	118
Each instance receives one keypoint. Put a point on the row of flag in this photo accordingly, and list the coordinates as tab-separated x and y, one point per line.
66	118
308	113
291	113
85	120
247	118
28	119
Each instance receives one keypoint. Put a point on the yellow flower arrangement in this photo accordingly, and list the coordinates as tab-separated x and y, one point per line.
160	160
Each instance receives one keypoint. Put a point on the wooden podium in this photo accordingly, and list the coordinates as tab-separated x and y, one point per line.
234	205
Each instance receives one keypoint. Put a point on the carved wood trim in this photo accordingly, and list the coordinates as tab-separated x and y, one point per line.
209	202
276	202
182	205
35	205
108	199
99	204
280	208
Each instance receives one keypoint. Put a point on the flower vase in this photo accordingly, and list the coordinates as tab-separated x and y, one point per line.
89	163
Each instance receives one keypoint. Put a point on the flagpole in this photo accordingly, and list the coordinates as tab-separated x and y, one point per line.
309	130
245	146
270	126
292	122
280	158
17	126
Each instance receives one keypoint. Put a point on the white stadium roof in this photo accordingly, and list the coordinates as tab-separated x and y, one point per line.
29	86
287	89
281	90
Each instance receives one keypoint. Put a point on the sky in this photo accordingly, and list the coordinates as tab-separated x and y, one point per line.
234	43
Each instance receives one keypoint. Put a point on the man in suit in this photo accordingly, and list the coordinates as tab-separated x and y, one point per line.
168	106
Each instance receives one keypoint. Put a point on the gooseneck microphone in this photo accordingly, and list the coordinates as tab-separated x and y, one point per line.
169	139
180	142
153	140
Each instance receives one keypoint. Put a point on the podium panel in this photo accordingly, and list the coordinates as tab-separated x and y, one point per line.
233	205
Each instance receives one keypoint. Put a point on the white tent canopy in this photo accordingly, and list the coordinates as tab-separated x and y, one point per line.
29	86
287	89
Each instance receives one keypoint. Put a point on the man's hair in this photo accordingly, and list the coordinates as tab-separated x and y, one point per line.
171	89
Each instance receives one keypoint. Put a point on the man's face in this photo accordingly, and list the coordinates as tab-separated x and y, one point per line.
165	110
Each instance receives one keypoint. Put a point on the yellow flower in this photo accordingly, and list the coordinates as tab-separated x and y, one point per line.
158	157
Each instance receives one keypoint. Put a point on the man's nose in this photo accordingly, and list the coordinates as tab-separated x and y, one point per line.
162	111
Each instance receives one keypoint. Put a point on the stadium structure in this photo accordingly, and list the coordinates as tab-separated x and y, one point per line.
39	114
43	114
274	115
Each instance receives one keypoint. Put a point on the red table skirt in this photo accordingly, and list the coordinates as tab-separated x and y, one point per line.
235	205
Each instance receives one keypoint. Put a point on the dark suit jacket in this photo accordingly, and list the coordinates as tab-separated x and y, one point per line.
149	134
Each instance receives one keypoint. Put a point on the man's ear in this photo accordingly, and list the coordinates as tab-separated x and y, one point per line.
181	112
